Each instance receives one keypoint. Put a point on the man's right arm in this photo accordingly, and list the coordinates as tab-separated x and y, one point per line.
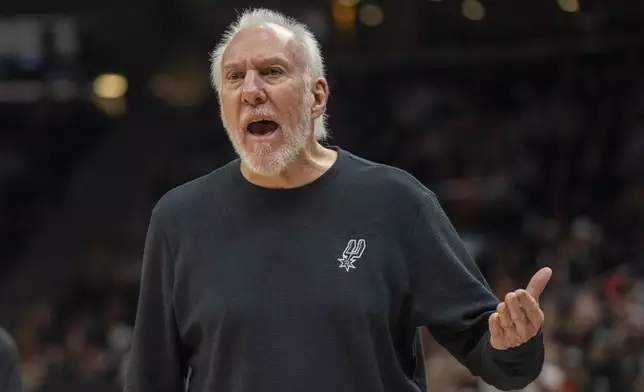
156	361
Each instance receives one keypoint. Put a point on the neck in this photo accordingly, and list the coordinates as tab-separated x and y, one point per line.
313	161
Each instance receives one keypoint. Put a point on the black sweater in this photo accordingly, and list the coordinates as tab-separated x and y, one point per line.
319	288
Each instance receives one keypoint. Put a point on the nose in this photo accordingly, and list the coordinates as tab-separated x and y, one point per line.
252	90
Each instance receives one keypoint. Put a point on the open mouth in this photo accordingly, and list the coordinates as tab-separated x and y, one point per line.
262	127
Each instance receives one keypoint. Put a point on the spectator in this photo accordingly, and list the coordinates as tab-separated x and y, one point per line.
10	378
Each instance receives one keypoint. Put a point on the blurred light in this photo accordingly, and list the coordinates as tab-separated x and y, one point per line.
348	3
371	15
343	15
114	107
110	86
569	5
473	10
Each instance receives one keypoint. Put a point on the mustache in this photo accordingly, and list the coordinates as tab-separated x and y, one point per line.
253	113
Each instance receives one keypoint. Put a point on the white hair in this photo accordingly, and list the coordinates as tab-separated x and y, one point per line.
310	49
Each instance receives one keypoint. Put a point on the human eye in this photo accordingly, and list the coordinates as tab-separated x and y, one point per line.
234	76
272	71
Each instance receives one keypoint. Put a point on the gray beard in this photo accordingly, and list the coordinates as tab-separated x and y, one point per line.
271	162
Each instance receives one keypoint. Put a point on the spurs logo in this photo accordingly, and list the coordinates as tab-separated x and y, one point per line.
352	253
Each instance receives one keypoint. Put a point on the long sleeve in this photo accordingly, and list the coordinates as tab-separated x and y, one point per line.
157	363
10	379
453	300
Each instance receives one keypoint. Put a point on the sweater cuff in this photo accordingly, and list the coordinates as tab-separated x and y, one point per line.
529	350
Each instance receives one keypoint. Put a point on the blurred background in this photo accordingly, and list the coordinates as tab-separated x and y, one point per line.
525	117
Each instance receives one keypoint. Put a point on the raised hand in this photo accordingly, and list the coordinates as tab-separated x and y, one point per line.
519	317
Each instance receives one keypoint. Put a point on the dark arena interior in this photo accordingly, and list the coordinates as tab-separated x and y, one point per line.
525	118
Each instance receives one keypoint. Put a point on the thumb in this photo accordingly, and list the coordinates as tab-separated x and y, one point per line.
538	282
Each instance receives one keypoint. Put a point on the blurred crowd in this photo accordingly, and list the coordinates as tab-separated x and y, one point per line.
40	145
536	165
546	170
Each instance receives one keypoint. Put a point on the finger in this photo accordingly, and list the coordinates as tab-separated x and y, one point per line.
514	306
531	309
504	316
497	339
517	316
538	283
509	332
495	326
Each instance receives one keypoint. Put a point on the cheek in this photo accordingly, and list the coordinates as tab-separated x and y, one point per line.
290	104
229	110
295	111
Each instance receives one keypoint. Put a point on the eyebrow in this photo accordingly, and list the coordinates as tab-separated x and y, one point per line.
273	60
231	65
279	60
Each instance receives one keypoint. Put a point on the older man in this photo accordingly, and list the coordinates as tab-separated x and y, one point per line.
10	380
299	267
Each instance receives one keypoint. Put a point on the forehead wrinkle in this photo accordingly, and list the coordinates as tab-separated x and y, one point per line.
287	41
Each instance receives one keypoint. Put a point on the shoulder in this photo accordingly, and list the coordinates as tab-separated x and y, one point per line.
194	194
388	181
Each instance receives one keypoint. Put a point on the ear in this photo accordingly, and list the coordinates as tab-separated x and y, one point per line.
320	97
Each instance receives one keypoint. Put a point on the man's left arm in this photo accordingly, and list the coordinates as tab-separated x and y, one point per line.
453	300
